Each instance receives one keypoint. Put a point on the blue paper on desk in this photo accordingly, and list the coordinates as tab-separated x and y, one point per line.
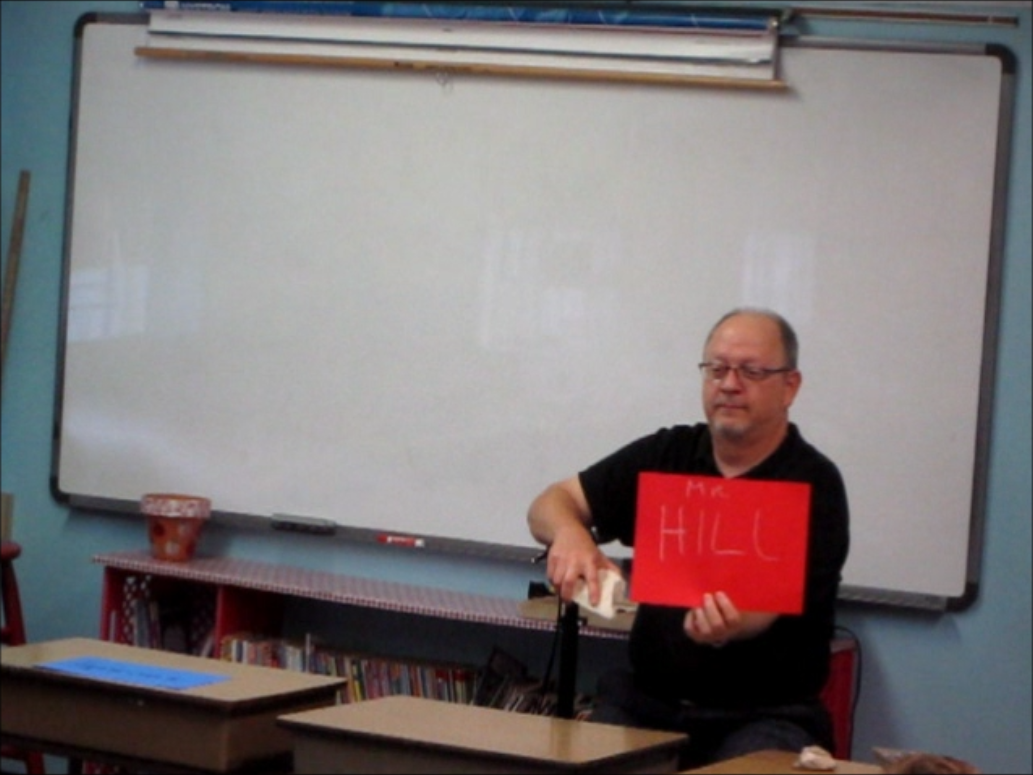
153	676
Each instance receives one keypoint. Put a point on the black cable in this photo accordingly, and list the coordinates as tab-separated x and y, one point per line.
547	677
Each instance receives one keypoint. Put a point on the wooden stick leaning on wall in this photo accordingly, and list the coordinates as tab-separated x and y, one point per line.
13	260
525	71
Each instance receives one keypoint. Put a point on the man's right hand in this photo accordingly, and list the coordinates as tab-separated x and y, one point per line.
560	518
575	559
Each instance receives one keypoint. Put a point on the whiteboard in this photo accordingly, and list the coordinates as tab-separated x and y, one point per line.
405	302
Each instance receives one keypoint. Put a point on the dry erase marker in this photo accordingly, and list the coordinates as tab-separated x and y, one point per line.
396	540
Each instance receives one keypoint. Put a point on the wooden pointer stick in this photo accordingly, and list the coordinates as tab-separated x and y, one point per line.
14	251
446	67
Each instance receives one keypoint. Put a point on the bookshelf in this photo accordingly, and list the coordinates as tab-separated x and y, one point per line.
234	609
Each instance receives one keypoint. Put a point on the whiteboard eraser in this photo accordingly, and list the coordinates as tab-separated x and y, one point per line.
612	591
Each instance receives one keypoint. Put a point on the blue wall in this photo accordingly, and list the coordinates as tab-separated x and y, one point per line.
955	683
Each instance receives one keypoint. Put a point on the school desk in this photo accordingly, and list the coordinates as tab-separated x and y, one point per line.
780	763
417	735
161	720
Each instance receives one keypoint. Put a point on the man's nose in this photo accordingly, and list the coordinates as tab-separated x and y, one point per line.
727	382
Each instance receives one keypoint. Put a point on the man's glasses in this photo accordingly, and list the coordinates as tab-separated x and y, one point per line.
718	371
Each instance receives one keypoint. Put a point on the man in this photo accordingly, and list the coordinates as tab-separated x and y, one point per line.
735	681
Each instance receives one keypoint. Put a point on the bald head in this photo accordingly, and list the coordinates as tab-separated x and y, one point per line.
787	336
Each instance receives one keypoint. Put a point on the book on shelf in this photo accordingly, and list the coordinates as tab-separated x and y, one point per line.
369	676
141	623
156	625
502	671
163	620
207	646
523	696
505	682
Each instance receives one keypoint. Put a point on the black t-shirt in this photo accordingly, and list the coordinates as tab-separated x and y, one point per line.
787	663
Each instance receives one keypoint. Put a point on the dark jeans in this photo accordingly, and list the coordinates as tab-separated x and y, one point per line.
714	734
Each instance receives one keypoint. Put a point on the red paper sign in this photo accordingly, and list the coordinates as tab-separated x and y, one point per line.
744	537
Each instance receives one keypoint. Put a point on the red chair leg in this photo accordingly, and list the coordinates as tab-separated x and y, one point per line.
12	633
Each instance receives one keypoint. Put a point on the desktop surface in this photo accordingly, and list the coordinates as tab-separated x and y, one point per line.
411	734
779	763
216	726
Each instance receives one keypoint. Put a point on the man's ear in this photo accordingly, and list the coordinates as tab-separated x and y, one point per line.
793	380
